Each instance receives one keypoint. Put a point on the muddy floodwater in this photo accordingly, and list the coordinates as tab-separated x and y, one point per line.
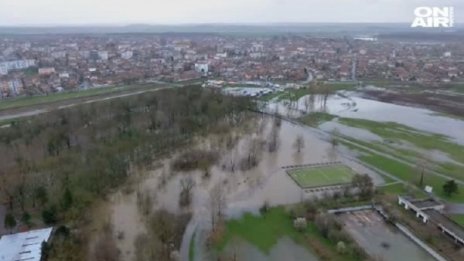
245	190
380	240
285	249
350	105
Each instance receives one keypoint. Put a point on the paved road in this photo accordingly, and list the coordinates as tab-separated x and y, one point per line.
44	108
454	208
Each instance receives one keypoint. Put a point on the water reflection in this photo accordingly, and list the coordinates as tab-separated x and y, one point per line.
348	104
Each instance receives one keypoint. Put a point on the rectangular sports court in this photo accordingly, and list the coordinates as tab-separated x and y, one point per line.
321	175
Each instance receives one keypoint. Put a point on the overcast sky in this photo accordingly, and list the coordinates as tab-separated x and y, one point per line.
119	12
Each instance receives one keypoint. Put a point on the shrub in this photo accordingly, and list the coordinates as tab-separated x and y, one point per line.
264	208
341	247
300	223
49	215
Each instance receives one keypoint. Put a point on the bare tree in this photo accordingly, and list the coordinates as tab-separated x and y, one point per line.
106	249
334	137
273	139
186	184
299	143
422	164
218	204
332	153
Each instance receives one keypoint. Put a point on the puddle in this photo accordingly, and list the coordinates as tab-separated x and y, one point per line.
285	249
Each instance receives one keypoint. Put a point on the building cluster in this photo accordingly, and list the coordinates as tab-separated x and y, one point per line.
39	64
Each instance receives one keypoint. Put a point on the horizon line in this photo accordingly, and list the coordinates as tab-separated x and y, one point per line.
197	24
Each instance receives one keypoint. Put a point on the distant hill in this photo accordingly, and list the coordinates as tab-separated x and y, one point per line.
214	28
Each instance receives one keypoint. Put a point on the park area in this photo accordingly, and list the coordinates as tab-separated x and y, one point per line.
321	175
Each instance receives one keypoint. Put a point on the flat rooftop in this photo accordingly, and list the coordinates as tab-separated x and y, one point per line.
426	203
439	218
24	246
422	203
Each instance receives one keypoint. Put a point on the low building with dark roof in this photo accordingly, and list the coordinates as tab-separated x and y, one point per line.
430	210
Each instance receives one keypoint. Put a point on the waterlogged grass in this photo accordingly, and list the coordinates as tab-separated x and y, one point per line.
396	135
406	173
315	119
456	87
397	132
338	86
294	94
265	230
262	231
270	96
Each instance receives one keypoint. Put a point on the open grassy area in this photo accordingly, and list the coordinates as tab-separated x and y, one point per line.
192	248
401	189
406	173
396	135
319	176
264	231
261	231
338	86
456	87
295	94
55	97
458	218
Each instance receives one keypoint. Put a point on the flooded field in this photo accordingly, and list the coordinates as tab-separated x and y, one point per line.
380	240
285	249
245	190
350	105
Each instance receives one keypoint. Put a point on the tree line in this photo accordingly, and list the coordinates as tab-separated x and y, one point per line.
54	165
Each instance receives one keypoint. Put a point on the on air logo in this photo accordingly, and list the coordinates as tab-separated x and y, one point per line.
433	17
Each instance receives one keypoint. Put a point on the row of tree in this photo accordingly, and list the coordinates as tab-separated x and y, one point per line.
55	164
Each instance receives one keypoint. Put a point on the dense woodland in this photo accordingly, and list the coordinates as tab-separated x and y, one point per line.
56	164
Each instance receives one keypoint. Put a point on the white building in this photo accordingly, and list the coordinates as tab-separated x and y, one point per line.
15	65
127	55
46	70
3	70
24	246
202	68
103	55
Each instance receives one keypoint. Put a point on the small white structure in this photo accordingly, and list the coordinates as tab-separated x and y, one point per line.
24	246
202	68
428	189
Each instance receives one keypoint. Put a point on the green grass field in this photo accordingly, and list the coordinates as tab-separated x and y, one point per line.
458	218
320	176
265	230
68	95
